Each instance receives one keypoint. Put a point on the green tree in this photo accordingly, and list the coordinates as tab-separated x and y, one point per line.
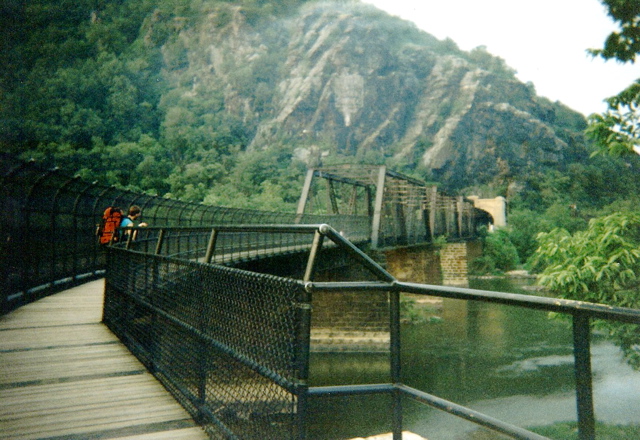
524	225
617	130
498	254
600	264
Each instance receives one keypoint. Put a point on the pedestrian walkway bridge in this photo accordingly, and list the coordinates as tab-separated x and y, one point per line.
66	376
231	345
54	216
221	312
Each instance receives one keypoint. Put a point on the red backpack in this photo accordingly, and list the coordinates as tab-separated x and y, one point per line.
108	229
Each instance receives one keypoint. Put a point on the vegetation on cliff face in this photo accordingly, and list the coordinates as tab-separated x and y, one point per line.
228	102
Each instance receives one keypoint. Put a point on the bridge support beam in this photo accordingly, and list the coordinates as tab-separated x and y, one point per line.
377	209
302	203
405	211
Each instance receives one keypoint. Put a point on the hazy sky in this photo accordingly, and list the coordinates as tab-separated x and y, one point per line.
545	41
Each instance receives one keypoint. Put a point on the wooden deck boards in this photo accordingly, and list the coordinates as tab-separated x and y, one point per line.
64	375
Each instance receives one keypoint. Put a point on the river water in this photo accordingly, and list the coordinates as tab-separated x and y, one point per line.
510	363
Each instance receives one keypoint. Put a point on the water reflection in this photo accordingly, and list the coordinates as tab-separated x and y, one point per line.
511	363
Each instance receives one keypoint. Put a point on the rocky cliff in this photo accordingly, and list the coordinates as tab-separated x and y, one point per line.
170	97
351	81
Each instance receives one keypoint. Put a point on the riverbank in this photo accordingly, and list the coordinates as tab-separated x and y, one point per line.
569	431
512	274
406	435
521	278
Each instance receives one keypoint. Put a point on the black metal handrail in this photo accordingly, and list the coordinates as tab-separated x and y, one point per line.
224	244
583	313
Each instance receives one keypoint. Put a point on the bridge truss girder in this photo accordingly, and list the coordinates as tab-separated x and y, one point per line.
404	210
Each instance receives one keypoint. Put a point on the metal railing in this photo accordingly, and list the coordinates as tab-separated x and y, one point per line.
234	345
224	244
49	219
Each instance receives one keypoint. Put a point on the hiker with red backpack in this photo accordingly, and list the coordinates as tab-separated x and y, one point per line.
113	220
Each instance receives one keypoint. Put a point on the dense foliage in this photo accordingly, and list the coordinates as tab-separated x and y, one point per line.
600	264
88	85
498	254
617	130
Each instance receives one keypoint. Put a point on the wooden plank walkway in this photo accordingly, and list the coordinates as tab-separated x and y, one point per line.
65	376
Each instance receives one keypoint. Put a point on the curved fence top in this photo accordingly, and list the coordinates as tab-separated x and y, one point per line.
49	221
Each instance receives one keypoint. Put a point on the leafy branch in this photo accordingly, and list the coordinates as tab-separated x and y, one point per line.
599	265
616	131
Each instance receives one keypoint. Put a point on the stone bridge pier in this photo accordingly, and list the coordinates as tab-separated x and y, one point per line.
358	321
430	264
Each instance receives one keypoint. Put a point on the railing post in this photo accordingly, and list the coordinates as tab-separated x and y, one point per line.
459	211
377	210
154	344
332	202
211	246
318	239
369	197
584	386
449	213
160	242
128	238
304	342
203	365
433	212
304	197
396	378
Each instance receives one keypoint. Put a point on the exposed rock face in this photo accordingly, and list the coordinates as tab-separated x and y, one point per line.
367	85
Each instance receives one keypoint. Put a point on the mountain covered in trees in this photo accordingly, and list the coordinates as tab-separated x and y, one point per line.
228	102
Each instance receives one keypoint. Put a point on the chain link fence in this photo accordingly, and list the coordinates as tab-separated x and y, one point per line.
225	342
49	219
232	345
